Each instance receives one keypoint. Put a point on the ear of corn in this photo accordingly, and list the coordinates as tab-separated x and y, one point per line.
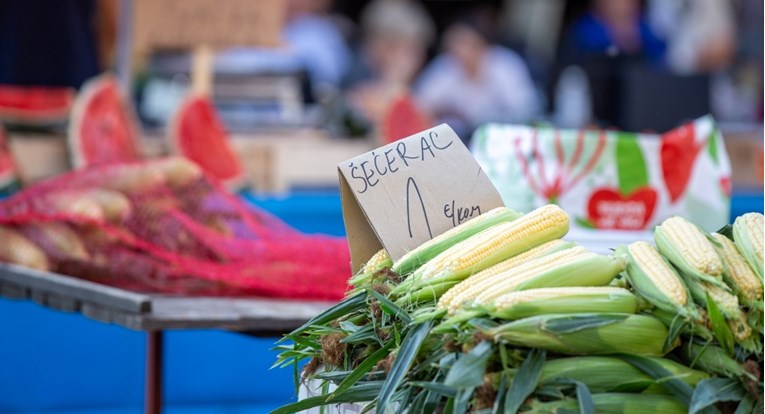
738	274
433	247
587	334
748	234
377	262
616	403
17	249
689	249
654	279
455	293
586	270
496	244
728	305
533	302
710	358
509	280
613	374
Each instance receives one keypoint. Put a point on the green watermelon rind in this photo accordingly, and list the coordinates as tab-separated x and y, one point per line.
81	104
235	181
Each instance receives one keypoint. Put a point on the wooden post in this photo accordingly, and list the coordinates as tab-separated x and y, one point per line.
202	70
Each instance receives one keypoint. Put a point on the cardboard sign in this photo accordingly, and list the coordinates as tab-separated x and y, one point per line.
217	23
407	192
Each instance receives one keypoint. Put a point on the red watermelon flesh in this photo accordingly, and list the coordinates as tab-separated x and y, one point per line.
8	174
403	119
198	134
103	128
35	104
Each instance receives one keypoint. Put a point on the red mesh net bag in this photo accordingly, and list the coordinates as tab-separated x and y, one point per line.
163	226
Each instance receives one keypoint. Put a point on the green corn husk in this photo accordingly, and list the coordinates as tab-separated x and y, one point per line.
495	244
376	263
613	374
562	300
676	257
587	334
748	243
710	358
430	249
691	329
615	403
647	289
582	271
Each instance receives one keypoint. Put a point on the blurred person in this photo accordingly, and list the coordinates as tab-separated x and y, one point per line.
312	42
55	43
396	36
700	34
475	81
615	27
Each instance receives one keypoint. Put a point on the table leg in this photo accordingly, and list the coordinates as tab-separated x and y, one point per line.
153	395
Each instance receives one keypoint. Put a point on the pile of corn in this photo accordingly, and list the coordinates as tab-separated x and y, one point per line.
502	315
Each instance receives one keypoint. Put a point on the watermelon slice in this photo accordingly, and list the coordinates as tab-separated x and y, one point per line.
197	133
8	177
103	127
35	105
402	119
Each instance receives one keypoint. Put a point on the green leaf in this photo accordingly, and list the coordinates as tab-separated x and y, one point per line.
469	369
363	368
461	400
525	381
410	346
712	146
391	308
346	306
365	334
436	387
499	401
746	406
584	398
358	393
727	231
719	326
630	164
663	376
585	222
574	323
711	390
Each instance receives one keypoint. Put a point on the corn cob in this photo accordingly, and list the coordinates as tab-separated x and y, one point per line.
547	248
433	247
497	243
377	262
533	302
616	403
748	233
586	270
64	241
17	249
738	274
689	249
710	358
471	290
587	334
726	302
654	279
605	374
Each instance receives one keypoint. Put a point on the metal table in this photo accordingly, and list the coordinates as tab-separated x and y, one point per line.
154	313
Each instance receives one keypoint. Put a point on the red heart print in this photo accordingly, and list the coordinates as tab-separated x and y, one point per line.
608	209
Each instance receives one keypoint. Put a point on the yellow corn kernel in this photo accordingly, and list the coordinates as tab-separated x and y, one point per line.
742	278
377	261
748	233
653	267
497	243
446	300
692	245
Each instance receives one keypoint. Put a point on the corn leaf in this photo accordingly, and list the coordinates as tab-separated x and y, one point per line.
346	306
719	326
391	308
361	392
575	323
410	346
363	368
499	401
663	376
712	390
436	387
525	381
461	400
468	371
